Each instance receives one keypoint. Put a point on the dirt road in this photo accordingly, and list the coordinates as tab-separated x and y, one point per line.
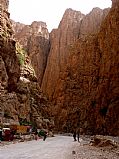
58	147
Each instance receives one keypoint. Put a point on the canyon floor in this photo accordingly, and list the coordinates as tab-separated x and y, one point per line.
58	147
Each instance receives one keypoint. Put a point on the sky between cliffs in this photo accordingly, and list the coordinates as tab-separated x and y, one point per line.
50	11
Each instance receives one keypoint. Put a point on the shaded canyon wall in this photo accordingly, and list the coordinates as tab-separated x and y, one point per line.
87	92
72	26
21	99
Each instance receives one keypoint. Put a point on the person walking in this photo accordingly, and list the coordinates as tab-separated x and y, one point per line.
74	135
44	136
0	134
36	134
78	134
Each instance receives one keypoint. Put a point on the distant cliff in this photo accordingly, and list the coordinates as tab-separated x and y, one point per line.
35	40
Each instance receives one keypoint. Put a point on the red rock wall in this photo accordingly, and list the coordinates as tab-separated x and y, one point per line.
60	39
35	40
9	64
87	91
21	99
7	47
73	25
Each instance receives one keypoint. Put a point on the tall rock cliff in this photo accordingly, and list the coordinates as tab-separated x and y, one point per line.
90	24
17	27
60	39
81	76
87	91
73	25
35	40
9	64
21	100
7	46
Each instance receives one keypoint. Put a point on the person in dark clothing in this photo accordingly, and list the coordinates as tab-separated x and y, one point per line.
78	135
74	135
0	134
12	134
36	134
44	136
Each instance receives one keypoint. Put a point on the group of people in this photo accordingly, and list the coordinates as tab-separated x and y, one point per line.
76	135
40	133
6	134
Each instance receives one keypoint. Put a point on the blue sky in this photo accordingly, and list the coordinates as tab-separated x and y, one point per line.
50	11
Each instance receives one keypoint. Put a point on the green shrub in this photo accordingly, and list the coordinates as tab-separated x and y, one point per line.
21	59
21	53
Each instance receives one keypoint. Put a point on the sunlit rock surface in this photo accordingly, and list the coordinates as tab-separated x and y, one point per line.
60	39
87	92
35	40
21	100
73	25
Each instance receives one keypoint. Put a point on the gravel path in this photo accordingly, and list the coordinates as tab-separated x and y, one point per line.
53	148
59	147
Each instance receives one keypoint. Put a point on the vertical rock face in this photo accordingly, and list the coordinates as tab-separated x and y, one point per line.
60	39
3	74
21	99
9	64
17	26
35	40
87	91
91	22
7	46
38	48
108	87
114	2
4	4
73	25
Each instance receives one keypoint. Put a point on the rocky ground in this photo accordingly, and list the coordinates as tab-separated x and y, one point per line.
62	147
108	148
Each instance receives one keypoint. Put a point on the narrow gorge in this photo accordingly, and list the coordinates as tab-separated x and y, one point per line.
68	78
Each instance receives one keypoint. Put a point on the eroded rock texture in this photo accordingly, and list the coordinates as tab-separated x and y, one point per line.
9	65
81	76
60	39
73	25
88	90
35	40
7	47
21	100
90	24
